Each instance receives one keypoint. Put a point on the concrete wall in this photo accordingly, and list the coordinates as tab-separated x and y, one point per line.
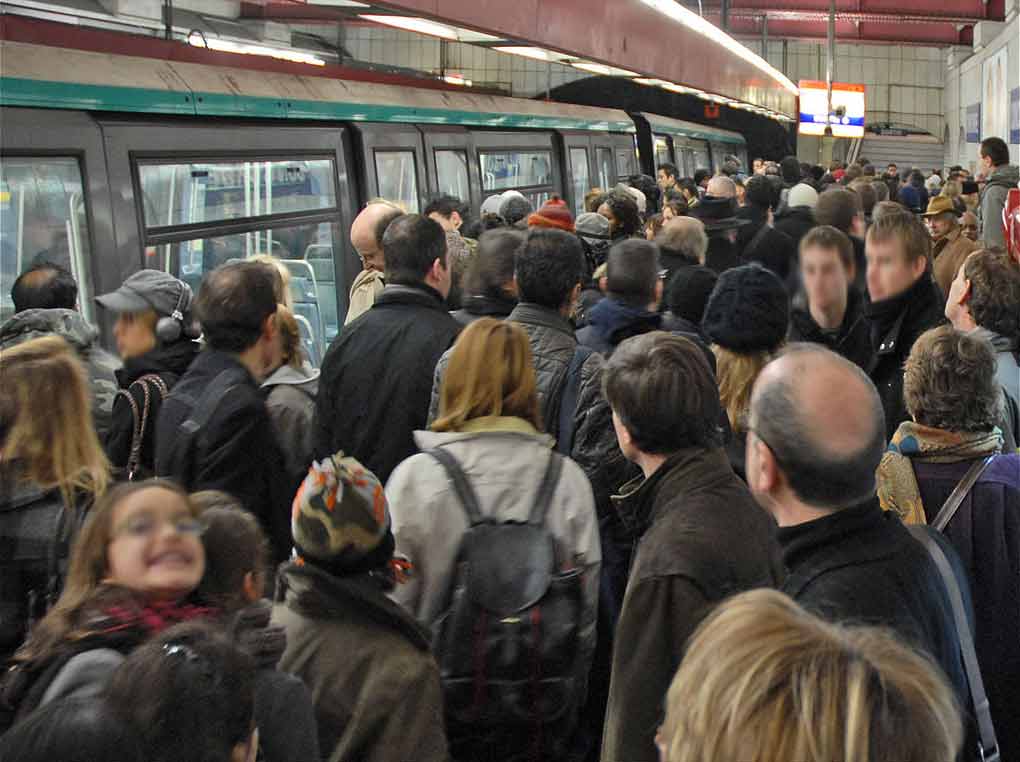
963	88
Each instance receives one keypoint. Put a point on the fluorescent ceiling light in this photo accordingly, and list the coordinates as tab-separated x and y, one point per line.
696	23
413	24
339	3
226	46
597	68
457	79
652	82
539	54
469	35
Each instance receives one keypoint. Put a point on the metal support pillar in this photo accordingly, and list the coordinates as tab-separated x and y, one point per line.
828	141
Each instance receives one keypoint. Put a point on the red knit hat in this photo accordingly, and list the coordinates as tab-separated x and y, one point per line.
553	214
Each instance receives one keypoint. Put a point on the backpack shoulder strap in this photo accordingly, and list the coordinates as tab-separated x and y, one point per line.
546	489
571	390
952	504
210	399
465	492
982	710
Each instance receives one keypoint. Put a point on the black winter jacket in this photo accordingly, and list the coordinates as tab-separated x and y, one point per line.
795	222
895	324
238	454
861	565
377	378
699	538
480	306
852	340
169	362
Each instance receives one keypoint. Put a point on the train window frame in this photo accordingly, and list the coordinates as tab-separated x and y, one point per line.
465	197
607	179
579	188
526	189
79	224
172	237
416	197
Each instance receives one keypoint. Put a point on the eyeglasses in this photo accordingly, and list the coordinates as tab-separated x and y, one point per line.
146	525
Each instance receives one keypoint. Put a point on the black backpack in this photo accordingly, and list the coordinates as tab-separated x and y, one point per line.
508	644
189	446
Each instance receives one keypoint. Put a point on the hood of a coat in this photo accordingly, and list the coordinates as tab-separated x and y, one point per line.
173	358
306	378
999	342
1006	177
480	430
31	324
617	321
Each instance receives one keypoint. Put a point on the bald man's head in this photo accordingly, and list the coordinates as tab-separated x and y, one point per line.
822	418
367	233
721	186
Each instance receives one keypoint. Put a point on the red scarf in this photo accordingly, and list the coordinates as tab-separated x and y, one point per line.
153	618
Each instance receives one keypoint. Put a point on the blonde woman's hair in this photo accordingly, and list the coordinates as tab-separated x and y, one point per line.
46	422
736	373
282	286
290	336
490	373
951	189
763	681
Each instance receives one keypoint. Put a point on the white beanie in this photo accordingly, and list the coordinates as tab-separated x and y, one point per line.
802	194
491	204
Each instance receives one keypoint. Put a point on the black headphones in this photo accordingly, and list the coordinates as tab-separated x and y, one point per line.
169	329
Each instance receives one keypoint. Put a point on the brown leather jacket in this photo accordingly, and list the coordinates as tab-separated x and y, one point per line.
950	252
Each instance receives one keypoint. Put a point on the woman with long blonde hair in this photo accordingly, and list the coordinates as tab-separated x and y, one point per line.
52	468
489	430
746	318
763	680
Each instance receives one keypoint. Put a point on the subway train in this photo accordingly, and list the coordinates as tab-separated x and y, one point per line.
111	163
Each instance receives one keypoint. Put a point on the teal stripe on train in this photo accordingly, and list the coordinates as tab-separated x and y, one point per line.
48	94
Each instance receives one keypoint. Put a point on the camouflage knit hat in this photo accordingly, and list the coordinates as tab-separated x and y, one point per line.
340	518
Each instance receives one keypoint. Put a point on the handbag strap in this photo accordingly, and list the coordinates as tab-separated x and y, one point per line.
141	418
952	504
989	751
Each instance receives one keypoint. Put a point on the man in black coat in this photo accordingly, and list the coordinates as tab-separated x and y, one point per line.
846	559
759	241
904	302
833	315
377	374
235	448
717	211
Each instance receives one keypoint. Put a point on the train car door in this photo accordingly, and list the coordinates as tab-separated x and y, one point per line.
452	168
394	163
55	202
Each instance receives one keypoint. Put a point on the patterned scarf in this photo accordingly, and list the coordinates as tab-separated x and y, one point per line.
898	490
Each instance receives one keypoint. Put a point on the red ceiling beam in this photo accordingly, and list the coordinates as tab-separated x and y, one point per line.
884	31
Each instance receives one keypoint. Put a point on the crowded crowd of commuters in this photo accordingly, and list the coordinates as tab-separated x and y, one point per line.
724	468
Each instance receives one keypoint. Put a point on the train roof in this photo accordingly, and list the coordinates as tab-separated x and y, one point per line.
43	76
664	124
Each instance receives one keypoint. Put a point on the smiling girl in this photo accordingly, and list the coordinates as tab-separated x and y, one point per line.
132	573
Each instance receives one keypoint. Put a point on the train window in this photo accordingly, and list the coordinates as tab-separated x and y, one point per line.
579	172
42	218
624	162
702	159
397	178
662	154
604	164
199	192
507	170
306	250
452	173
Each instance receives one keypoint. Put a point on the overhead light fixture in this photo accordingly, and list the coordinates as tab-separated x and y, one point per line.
652	82
606	71
199	40
696	23
538	54
469	35
413	24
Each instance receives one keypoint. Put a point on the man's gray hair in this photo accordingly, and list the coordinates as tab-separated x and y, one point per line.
685	236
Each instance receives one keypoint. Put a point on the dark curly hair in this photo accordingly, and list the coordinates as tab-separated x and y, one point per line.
949	382
625	211
994	291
